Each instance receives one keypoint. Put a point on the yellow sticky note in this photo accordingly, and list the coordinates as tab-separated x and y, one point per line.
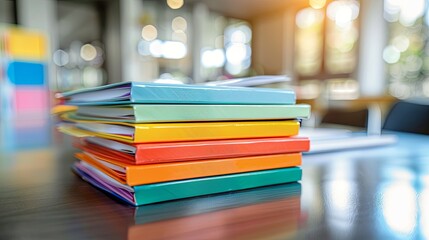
25	44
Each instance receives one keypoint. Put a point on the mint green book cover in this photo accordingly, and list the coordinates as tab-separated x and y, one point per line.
146	113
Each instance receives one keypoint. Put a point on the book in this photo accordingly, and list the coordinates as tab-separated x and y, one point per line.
251	81
149	153
151	113
142	92
166	191
133	175
254	197
174	132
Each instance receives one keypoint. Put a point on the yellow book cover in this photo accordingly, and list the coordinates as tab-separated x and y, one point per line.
175	132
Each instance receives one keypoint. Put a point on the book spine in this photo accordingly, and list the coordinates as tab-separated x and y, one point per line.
152	193
203	95
211	131
146	174
191	113
210	150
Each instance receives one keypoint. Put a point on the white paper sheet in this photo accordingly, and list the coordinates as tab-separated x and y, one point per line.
106	128
114	145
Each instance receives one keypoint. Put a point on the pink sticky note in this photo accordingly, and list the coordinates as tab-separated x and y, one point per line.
30	100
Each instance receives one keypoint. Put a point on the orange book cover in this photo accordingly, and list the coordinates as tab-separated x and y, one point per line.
134	175
151	153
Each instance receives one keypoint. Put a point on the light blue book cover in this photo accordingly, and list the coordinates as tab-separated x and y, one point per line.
140	92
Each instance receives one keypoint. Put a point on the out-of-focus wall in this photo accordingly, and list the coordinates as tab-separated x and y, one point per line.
7	14
41	15
269	43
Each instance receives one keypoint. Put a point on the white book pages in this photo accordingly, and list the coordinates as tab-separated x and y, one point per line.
250	81
114	145
107	164
108	112
110	94
106	128
106	177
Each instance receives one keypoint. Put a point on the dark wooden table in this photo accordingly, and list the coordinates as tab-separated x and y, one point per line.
363	194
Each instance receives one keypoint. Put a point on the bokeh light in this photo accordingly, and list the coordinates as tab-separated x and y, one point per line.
309	41
405	11
342	89
213	58
391	54
401	220
166	49
173	50
60	58
143	48
236	53
92	77
400	90
88	52
401	43
343	12
317	4
238	36
308	17
155	48
149	33
410	11
175	4
179	24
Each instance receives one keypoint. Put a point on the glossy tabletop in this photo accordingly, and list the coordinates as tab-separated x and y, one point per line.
378	193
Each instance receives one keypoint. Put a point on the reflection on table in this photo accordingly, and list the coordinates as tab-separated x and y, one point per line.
361	194
260	213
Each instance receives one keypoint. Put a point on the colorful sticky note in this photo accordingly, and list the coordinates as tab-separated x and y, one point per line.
22	44
31	100
26	73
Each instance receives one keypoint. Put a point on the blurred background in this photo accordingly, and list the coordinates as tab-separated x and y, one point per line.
351	60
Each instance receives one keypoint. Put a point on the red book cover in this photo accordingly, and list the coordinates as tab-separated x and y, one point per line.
151	153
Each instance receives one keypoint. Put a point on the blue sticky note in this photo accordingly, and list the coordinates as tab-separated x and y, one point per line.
26	73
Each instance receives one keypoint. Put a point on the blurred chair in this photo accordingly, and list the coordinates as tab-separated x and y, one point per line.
354	118
408	116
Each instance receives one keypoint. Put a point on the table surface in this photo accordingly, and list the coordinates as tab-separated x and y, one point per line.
361	194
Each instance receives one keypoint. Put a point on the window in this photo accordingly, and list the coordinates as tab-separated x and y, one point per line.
326	40
407	51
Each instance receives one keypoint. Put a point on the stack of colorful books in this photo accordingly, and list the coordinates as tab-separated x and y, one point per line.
146	142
